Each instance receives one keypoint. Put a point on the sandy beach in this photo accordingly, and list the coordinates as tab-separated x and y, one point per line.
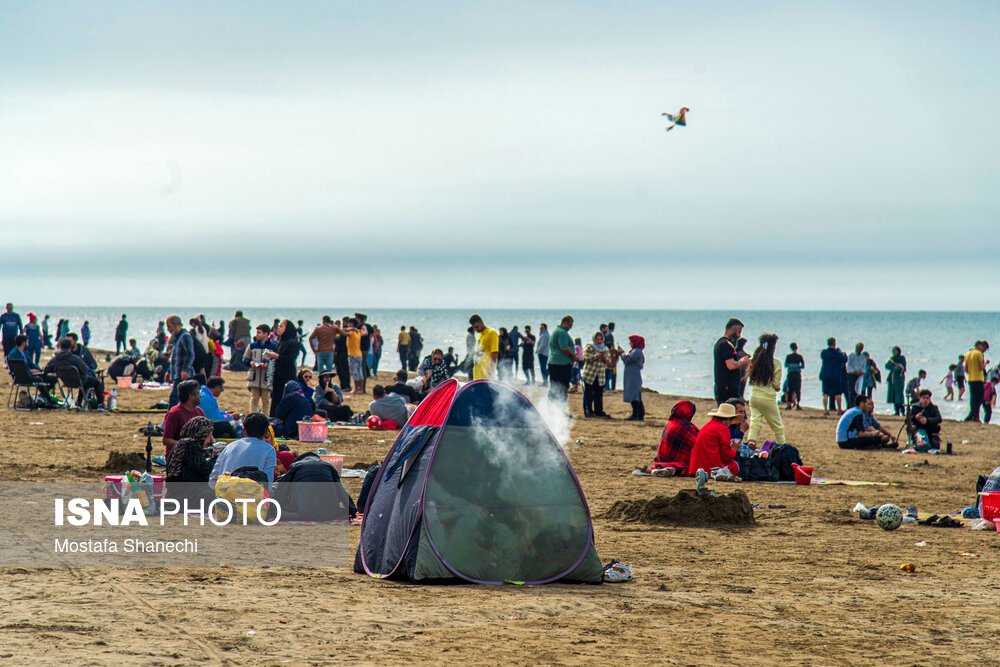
809	584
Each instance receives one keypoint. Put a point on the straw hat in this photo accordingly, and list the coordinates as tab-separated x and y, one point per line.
724	411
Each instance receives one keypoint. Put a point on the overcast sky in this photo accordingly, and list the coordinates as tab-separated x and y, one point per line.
837	155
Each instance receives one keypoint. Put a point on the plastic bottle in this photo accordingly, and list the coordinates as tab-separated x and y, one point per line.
113	399
132	478
146	484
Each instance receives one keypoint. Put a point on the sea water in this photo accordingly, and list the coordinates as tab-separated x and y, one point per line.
678	342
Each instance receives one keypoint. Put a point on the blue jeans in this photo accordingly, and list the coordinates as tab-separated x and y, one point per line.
325	361
543	367
172	401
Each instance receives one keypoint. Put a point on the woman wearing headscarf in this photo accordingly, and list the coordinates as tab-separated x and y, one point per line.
896	382
284	365
329	398
678	437
595	360
634	361
294	407
765	383
188	466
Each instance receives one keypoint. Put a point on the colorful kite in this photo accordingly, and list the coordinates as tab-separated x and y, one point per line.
680	118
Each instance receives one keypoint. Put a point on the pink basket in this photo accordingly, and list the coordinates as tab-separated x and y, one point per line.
125	382
336	460
989	505
312	431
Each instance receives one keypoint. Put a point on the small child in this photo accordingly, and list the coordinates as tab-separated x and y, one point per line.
949	383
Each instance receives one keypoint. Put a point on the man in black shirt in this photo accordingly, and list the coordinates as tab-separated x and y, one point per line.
729	363
403	389
925	416
794	363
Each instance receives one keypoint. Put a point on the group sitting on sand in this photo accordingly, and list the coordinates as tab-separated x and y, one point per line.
192	471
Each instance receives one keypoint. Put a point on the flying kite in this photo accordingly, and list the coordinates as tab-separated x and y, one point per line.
680	118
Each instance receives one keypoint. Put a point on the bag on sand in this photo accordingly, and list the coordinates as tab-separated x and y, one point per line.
232	488
782	458
756	469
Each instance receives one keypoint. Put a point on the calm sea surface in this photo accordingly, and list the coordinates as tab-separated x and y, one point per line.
678	343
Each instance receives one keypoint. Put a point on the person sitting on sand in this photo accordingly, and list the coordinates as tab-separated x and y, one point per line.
925	416
434	369
872	424
329	398
189	398
223	421
294	407
188	464
254	449
739	427
389	407
712	448
679	436
854	433
311	490
403	388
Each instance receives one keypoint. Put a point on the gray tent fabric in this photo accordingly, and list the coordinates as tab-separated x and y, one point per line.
489	497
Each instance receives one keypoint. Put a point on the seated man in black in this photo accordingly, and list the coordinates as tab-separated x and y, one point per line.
84	353
925	416
65	357
19	353
401	388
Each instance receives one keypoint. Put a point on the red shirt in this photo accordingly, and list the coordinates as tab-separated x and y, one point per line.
711	447
174	421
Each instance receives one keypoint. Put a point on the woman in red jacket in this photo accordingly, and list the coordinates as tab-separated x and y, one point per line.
712	448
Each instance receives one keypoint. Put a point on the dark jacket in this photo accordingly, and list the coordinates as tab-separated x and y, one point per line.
293	408
67	358
87	356
311	491
931	413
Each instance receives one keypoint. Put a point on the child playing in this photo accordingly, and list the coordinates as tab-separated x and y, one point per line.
949	383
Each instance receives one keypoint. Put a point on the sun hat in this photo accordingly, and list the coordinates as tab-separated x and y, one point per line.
724	411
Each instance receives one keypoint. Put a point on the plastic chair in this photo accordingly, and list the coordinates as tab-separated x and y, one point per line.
70	381
23	378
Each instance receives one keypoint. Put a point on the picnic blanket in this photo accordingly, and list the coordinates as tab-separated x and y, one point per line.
347	426
140	411
824	481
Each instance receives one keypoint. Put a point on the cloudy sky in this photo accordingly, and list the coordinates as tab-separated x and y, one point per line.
503	154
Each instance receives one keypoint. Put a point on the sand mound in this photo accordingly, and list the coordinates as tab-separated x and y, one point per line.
122	461
687	509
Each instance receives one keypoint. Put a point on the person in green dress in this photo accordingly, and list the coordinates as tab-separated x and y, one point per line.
895	383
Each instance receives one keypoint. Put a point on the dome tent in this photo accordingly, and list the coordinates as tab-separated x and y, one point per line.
477	489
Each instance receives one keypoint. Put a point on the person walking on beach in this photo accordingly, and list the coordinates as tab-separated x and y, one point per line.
765	381
515	346
960	376
528	355
239	339
403	347
543	352
181	355
85	333
949	383
633	362
321	342
855	372
34	334
594	363
10	328
121	335
729	364
486	355
794	365
975	372
895	383
562	355
831	376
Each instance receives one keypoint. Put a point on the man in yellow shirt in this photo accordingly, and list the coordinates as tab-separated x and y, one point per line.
354	359
487	350
975	373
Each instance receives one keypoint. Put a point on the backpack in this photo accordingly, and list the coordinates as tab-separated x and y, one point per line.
782	458
757	469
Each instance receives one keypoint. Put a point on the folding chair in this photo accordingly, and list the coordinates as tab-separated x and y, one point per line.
70	381
23	378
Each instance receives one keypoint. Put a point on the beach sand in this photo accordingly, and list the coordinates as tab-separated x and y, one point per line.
809	584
